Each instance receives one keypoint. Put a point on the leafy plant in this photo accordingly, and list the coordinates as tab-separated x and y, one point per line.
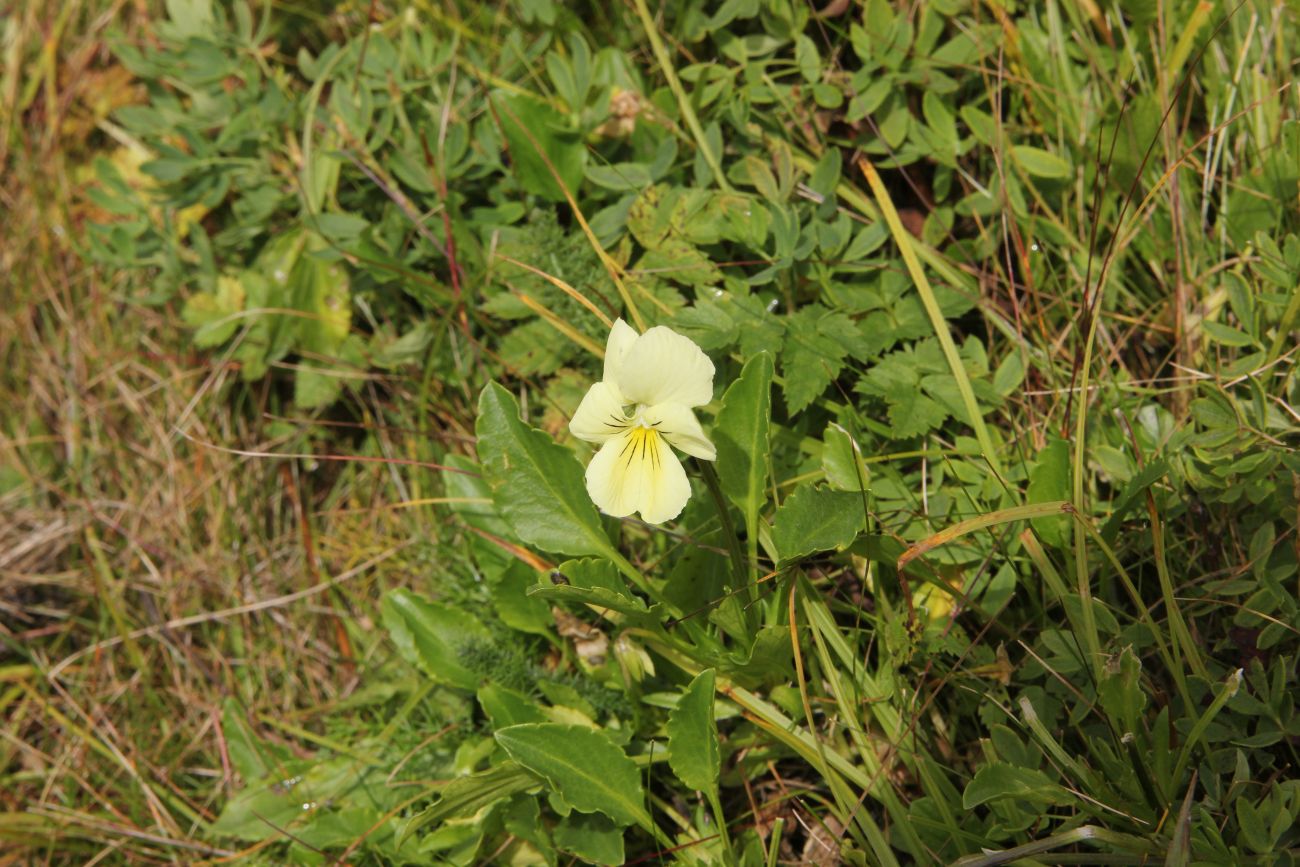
997	562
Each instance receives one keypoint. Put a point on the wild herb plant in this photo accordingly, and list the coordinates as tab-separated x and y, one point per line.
997	560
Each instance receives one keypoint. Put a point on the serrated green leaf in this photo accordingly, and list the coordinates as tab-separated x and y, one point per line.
914	416
215	315
816	519
817	342
693	736
586	768
522	818
594	574
677	260
317	385
649	218
767	658
536	483
591	837
314	388
760	331
708	324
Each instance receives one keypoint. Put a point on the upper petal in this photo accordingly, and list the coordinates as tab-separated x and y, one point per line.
662	366
678	425
621	338
600	415
636	471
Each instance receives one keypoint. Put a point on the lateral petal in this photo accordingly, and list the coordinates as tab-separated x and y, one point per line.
678	425
600	415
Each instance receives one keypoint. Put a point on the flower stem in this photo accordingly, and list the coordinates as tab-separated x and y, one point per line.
739	567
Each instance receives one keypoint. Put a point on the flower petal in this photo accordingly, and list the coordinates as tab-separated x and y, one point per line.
600	415
678	425
621	338
662	366
636	471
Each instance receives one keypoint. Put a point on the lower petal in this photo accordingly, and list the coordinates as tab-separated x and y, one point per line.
637	472
671	490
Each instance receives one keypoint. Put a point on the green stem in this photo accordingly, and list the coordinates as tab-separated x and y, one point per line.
1230	687
1140	608
720	819
739	568
774	843
836	768
1184	645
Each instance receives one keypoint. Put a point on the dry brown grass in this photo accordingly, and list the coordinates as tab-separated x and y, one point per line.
147	576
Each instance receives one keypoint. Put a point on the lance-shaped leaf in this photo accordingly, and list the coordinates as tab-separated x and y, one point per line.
432	635
589	771
999	780
536	483
693	736
544	152
465	796
741	435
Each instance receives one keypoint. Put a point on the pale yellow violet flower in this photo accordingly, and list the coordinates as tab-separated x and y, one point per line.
640	408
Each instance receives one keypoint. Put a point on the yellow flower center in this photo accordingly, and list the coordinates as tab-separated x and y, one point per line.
642	442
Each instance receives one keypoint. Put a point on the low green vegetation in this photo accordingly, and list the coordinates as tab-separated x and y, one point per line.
998	560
